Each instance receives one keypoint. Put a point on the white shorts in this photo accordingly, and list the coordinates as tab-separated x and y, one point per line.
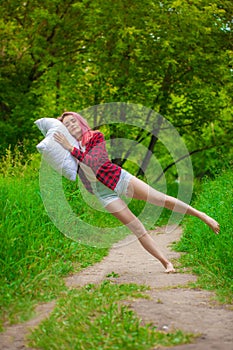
106	195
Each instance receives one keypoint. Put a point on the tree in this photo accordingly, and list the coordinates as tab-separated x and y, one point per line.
172	56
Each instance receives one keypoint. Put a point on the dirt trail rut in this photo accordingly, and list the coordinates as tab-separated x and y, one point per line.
172	304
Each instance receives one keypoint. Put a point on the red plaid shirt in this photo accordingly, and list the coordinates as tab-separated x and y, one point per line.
96	157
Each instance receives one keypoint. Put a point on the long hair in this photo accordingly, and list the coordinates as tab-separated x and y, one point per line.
87	132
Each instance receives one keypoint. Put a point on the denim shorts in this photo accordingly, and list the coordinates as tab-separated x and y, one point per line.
106	195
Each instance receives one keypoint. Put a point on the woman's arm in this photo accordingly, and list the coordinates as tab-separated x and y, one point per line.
95	154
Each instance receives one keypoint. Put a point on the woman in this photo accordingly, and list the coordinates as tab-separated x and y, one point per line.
109	182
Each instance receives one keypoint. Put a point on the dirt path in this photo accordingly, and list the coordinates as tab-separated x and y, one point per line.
172	304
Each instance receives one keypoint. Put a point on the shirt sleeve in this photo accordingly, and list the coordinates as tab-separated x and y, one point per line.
95	155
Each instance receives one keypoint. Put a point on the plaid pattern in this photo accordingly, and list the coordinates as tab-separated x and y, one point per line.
96	157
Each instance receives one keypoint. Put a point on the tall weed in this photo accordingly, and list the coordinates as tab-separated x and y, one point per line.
17	163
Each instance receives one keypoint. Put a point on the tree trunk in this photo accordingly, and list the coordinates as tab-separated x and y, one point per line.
153	141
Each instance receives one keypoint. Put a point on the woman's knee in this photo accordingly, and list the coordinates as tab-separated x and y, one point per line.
116	207
137	228
120	210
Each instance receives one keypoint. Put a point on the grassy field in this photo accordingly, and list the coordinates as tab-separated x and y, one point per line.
208	255
35	256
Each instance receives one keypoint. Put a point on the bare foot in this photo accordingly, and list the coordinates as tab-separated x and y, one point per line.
170	268
213	224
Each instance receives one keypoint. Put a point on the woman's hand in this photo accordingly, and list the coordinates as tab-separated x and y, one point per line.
60	138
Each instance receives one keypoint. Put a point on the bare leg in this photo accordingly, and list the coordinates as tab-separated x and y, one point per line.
149	244
119	209
140	190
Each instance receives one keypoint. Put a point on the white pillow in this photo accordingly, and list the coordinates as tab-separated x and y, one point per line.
57	157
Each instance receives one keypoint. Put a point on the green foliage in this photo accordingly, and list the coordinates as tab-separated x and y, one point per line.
94	318
145	52
208	255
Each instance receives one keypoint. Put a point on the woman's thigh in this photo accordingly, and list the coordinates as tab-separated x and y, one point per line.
140	190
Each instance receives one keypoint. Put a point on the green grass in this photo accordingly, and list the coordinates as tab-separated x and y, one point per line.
209	255
35	256
94	318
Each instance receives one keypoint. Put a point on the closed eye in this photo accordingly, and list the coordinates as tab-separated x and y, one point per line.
70	122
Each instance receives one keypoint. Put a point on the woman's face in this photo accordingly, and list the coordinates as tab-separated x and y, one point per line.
73	126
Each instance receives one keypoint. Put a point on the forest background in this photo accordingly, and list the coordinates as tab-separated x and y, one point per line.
174	57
